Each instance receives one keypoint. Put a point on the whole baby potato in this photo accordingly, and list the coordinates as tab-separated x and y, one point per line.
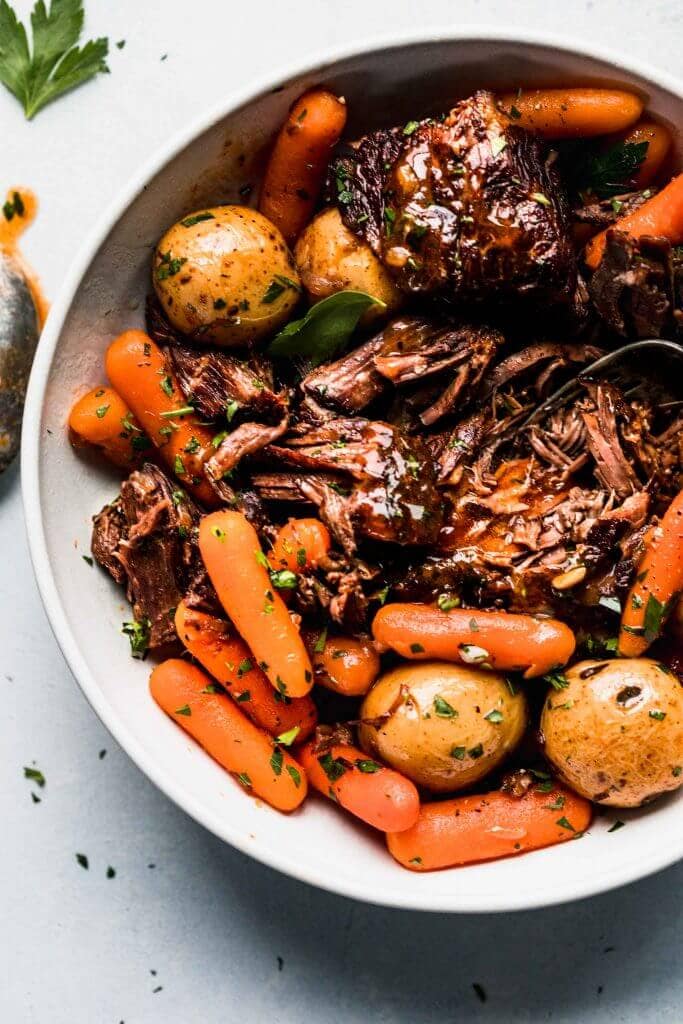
331	259
442	725
225	275
615	733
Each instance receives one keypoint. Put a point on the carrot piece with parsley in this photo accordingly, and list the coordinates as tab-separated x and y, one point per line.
659	578
498	640
658	139
300	544
379	796
344	664
232	664
661	217
103	419
471	829
572	113
297	165
137	369
238	569
263	767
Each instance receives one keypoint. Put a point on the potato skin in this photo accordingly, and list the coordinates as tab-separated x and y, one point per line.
331	259
422	740
212	275
605	736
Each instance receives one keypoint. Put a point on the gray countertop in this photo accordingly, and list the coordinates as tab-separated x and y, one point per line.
187	929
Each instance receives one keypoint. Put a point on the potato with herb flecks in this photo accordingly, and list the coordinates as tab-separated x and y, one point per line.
444	726
224	275
615	732
331	259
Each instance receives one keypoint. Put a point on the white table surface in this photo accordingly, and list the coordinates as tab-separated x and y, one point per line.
189	930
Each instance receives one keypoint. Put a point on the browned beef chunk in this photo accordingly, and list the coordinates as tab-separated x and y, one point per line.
637	289
356	180
338	588
472	211
147	540
409	350
212	381
612	468
366	478
247	439
351	383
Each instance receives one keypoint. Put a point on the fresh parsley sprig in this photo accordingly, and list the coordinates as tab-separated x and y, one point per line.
54	63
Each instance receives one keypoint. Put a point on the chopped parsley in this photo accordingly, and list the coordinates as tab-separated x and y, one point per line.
244	667
35	775
295	775
557	680
458	753
495	717
333	767
185	710
276	761
564	823
445	602
244	779
196	218
82	860
416	649
287	738
139	634
102	411
284	579
442	709
368	767
658	715
169	265
476	752
166	385
319	645
230	410
410	127
616	826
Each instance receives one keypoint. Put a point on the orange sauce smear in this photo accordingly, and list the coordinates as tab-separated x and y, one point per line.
11	230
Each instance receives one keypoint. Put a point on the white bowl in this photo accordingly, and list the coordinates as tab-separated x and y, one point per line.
104	293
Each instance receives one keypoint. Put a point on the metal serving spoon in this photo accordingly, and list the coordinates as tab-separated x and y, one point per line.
19	332
614	367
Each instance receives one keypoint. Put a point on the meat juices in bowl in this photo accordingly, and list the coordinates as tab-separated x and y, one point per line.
355	490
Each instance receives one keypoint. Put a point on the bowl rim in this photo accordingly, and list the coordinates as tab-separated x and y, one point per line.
412	899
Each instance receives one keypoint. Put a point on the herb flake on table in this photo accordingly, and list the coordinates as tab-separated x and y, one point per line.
35	775
53	63
83	861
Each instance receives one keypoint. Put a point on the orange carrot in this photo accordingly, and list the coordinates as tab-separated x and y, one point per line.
297	165
185	693
230	548
659	579
661	216
572	113
377	795
230	661
137	369
344	664
102	418
658	138
475	828
300	544
498	640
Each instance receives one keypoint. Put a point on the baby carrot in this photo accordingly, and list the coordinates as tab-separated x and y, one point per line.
345	664
475	828
498	640
659	577
377	795
658	138
661	216
572	113
102	418
297	165
300	544
137	369
230	661
217	724
238	569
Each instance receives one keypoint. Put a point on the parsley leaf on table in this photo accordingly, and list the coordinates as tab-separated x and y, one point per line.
54	63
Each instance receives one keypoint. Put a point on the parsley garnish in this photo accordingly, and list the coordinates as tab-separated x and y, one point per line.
195	218
446	603
244	667
609	173
557	680
230	410
287	738
333	767
416	648
283	579
458	753
495	717
138	633
654	614
296	777
319	646
616	826
477	751
368	767
185	710
169	265
442	709
16	206
54	63
564	823
35	775
659	716
276	761
82	860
